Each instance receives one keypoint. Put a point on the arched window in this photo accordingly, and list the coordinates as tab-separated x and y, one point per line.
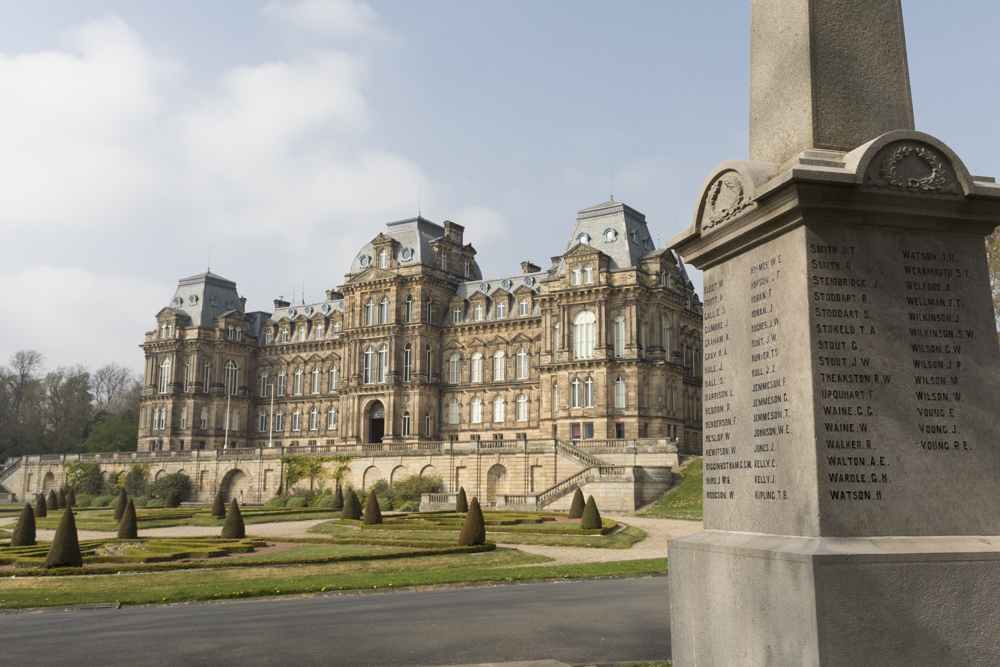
267	337
156	419
315	380
427	423
522	408
619	392
588	393
331	417
498	366
314	419
406	423
584	325
665	335
407	362
575	393
619	336
467	267
476	369
453	411
163	418
334	377
281	383
187	376
555	396
298	382
297	420
383	310
478	310
284	335
184	417
204	418
208	378
501	309
262	422
383	259
556	339
444	261
264	388
279	420
588	273
232	377
164	375
523	307
577	275
369	312
429	354
522	364
408	312
383	362
454	368
476	410
428	310
456	315
498	410
369	364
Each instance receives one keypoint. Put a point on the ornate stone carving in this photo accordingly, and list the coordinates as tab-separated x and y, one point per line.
725	199
911	168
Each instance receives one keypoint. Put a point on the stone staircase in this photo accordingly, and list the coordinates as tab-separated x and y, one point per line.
6	496
578	455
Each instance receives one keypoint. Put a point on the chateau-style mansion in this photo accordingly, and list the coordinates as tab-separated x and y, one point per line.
418	346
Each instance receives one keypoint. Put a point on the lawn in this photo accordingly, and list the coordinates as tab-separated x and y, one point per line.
684	502
102	519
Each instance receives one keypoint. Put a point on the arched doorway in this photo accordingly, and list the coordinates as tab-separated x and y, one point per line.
496	482
48	482
376	422
236	484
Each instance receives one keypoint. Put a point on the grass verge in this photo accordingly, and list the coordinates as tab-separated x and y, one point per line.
684	502
623	539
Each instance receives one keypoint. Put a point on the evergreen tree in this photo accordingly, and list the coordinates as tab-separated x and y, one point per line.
591	517
219	507
70	497
474	528
61	498
24	531
172	500
120	504
41	508
234	529
461	502
338	499
128	527
65	549
373	513
352	506
576	508
51	501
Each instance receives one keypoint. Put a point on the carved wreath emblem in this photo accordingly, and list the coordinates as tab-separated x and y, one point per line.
725	200
910	175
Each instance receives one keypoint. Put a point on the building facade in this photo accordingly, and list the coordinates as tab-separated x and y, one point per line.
418	346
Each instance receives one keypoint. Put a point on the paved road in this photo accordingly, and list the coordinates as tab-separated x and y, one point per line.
576	622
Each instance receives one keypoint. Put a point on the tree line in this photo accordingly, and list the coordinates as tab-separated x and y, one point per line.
67	410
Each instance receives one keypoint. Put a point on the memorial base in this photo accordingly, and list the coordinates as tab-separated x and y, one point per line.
749	599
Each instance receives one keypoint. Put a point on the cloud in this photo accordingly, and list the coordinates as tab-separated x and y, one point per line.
332	18
486	224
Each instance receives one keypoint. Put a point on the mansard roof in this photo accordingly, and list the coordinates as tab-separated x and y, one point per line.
617	230
413	245
204	297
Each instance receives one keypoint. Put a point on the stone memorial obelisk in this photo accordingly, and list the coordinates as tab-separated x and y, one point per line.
851	370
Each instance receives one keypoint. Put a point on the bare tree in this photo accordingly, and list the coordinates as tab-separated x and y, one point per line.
108	384
993	264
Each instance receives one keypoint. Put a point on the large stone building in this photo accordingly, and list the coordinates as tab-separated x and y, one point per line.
417	345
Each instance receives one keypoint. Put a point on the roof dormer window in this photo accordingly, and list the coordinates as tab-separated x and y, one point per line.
383	258
583	238
610	235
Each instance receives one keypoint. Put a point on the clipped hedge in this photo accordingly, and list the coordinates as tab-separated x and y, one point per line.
103	501
156	502
297	501
324	501
84	499
275	501
142	501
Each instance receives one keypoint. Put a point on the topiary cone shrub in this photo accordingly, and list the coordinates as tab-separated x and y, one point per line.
172	500
576	507
461	502
474	528
61	498
70	497
373	513
352	506
128	527
338	499
24	531
51	501
591	517
219	506
41	508
65	549
120	504
234	529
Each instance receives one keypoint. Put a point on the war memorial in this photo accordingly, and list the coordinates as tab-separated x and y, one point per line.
851	513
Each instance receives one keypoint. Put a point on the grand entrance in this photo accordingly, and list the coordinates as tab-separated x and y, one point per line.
376	422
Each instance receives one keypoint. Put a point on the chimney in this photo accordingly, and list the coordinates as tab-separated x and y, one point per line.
243	303
528	267
281	303
454	232
334	295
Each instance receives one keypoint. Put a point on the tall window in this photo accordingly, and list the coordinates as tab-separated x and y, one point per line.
454	368
184	417
619	392
577	275
444	261
298	382
369	363
314	383
406	423
588	273
453	411
642	339
556	340
232	377
297	420
501	309
407	362
318	331
334	377
234	421
456	315
523	308
476	410
555	396
187	376
467	267
281	383
498	409
164	375
262	422
204	418
575	393
267	337
476	370
522	408
279	420
383	362
522	364
584	325
331	417
302	333
478	312
498	366
430	361
383	310
207	380
383	258
156	419
428	310
665	335
314	419
284	335
263	384
408	312
619	336
369	312
427	423
588	393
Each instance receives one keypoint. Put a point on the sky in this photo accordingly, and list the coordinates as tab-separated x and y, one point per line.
142	141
